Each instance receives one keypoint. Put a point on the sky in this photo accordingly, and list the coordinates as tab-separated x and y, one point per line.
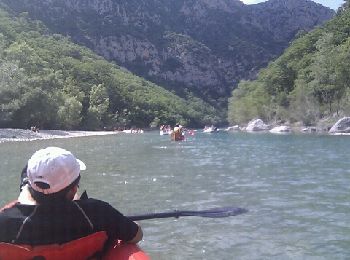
334	4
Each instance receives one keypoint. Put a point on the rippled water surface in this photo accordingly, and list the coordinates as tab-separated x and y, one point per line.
296	188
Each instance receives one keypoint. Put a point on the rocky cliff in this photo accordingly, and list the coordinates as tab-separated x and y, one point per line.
199	46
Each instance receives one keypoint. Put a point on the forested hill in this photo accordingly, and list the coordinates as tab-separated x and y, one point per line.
203	47
49	82
309	83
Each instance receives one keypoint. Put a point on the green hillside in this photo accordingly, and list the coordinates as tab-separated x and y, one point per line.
308	83
48	81
200	47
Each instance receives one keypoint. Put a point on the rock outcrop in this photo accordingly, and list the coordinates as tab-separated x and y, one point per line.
341	127
283	129
257	125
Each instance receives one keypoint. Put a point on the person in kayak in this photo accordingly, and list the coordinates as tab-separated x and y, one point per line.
47	211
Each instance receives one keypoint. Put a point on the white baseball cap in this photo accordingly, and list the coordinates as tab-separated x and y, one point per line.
54	166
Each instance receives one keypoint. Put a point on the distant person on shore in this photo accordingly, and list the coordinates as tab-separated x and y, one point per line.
48	212
34	129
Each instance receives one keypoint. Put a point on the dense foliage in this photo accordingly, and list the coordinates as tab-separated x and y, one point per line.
198	47
49	82
310	81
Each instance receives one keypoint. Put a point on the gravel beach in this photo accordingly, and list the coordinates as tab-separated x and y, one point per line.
10	135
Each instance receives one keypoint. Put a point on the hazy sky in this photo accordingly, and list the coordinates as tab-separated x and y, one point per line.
334	4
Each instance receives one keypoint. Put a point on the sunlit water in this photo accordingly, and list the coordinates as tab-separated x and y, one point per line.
296	188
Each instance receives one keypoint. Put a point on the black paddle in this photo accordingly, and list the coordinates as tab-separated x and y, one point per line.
209	213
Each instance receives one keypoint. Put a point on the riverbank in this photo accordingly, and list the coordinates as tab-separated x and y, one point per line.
10	134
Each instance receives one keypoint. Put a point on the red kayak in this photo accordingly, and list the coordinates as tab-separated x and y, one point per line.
123	251
78	249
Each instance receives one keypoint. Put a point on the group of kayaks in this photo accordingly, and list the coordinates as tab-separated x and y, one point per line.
180	135
74	250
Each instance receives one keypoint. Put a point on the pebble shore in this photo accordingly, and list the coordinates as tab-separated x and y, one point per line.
10	135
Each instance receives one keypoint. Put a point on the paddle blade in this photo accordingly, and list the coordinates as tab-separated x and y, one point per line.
209	213
216	212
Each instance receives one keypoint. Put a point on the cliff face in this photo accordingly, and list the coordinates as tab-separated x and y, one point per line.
284	18
203	46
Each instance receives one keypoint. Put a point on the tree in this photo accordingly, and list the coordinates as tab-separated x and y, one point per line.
303	104
12	87
249	100
69	113
327	84
99	105
37	108
342	74
345	6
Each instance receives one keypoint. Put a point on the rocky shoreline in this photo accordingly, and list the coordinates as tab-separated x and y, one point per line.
341	127
10	134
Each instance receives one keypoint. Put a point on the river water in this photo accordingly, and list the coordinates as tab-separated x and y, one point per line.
296	188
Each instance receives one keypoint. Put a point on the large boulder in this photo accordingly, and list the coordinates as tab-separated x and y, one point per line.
256	125
341	127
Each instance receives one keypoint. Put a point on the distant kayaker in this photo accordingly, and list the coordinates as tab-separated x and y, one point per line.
177	134
47	213
178	129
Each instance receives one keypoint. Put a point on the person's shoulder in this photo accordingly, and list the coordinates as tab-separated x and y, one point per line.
93	202
9	206
16	210
95	207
